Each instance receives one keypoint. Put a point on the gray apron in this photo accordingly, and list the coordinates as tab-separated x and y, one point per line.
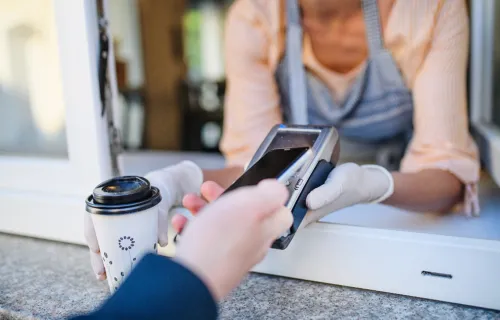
375	118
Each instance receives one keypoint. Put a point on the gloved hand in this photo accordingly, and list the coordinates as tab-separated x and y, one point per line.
173	182
347	185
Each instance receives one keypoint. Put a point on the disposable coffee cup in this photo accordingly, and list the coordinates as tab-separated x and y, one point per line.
124	211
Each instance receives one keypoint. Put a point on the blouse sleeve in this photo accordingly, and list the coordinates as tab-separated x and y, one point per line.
441	136
252	101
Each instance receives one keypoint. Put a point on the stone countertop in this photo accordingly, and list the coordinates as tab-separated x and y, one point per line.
47	280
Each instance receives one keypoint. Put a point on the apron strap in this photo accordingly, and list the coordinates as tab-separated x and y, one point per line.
297	75
373	26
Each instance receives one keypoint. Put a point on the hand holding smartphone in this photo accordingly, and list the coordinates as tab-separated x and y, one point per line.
280	164
300	157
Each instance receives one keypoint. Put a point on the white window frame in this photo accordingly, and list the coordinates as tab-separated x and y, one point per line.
44	197
391	250
481	80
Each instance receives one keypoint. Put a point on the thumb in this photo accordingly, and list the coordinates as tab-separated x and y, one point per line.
278	222
333	187
323	195
272	192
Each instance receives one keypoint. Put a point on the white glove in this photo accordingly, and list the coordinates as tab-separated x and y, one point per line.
347	185
173	182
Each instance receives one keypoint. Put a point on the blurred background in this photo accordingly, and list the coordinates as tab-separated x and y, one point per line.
169	65
170	71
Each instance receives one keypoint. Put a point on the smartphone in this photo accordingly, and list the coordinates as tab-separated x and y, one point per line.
278	164
273	165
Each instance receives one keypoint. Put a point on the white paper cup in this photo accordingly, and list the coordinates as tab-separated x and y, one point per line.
124	212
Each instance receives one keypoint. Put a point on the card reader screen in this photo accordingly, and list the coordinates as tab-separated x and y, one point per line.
270	166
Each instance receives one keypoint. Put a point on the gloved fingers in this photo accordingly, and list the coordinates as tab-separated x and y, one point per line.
380	181
97	265
178	180
163	184
89	233
163	225
340	178
315	215
173	182
190	177
162	180
323	195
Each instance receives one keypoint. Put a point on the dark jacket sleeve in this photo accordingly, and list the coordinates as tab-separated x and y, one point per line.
158	288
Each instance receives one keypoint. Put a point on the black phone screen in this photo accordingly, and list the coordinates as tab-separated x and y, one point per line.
270	166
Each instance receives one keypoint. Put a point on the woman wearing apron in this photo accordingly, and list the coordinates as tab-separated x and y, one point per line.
390	75
386	72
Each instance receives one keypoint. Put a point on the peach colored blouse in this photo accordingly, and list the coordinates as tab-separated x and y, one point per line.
429	41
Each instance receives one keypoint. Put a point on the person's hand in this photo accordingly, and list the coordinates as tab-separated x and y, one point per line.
194	202
347	185
232	234
173	182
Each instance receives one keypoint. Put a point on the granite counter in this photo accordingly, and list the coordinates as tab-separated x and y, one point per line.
48	280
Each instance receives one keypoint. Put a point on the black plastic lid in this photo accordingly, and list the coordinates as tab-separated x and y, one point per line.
121	195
